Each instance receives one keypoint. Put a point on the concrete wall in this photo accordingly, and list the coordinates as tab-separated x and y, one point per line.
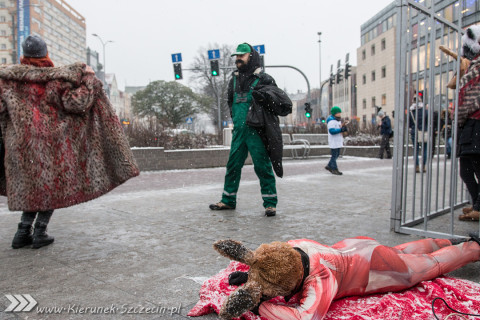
150	159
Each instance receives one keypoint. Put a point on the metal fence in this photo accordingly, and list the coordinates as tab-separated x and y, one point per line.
426	187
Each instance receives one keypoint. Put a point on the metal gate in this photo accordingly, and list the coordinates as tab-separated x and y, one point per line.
426	199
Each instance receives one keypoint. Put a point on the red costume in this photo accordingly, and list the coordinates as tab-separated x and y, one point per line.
361	266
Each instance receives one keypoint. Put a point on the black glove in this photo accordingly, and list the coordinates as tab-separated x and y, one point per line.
343	129
237	278
258	96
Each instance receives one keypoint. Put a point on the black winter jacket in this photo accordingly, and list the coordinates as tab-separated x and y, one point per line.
272	100
469	139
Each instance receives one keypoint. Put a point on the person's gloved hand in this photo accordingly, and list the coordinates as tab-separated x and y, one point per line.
237	278
258	96
343	129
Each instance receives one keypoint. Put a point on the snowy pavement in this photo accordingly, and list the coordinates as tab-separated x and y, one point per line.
147	245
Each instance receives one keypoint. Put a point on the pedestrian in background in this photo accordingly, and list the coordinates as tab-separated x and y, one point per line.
446	131
419	130
335	138
386	132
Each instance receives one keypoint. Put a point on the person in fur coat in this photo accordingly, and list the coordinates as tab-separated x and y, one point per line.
62	142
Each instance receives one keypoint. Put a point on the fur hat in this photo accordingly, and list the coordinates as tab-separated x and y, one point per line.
276	269
471	43
34	47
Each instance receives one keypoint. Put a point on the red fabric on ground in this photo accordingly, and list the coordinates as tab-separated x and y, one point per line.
414	304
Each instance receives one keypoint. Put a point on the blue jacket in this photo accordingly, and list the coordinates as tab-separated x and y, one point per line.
333	130
386	127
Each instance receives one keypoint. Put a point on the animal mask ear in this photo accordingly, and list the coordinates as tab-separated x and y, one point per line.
470	34
241	300
234	250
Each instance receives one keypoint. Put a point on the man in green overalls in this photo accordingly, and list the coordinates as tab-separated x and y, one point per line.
241	92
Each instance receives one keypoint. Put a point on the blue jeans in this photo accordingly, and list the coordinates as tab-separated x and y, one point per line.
425	153
449	146
333	160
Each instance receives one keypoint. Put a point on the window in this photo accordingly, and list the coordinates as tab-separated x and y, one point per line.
373	50
384	72
364	54
364	119
364	103
3	46
384	44
2	4
384	99
364	79
3	33
374	102
4	60
2	19
470	7
390	23
373	75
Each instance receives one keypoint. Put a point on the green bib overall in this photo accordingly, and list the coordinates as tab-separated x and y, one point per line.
246	139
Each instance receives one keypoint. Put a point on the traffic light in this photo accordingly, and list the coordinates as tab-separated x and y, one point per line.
323	119
177	69
348	70
308	110
339	76
214	68
331	80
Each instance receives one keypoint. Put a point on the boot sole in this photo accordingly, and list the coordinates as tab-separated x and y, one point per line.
39	245
18	246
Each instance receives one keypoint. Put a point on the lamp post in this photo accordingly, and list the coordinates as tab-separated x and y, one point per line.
320	69
103	44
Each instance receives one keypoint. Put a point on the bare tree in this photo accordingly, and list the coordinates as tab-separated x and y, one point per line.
214	87
169	102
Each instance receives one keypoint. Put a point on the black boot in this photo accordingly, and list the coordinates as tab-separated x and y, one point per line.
40	236
23	237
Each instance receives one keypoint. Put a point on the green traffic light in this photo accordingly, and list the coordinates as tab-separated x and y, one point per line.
177	76
307	114
214	73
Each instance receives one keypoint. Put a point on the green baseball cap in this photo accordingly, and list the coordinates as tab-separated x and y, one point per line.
242	49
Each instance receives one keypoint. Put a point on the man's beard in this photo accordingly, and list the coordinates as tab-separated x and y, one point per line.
241	65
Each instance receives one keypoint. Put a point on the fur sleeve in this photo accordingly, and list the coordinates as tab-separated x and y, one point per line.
80	99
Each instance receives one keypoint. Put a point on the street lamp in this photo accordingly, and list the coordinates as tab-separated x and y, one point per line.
320	69
103	44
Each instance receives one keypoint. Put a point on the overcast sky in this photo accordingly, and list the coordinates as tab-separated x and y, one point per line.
147	32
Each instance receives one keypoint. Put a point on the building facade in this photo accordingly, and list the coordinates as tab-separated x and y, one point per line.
60	25
376	66
376	58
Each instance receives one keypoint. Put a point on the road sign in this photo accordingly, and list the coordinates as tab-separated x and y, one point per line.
176	57
189	120
225	123
260	48
318	120
214	54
